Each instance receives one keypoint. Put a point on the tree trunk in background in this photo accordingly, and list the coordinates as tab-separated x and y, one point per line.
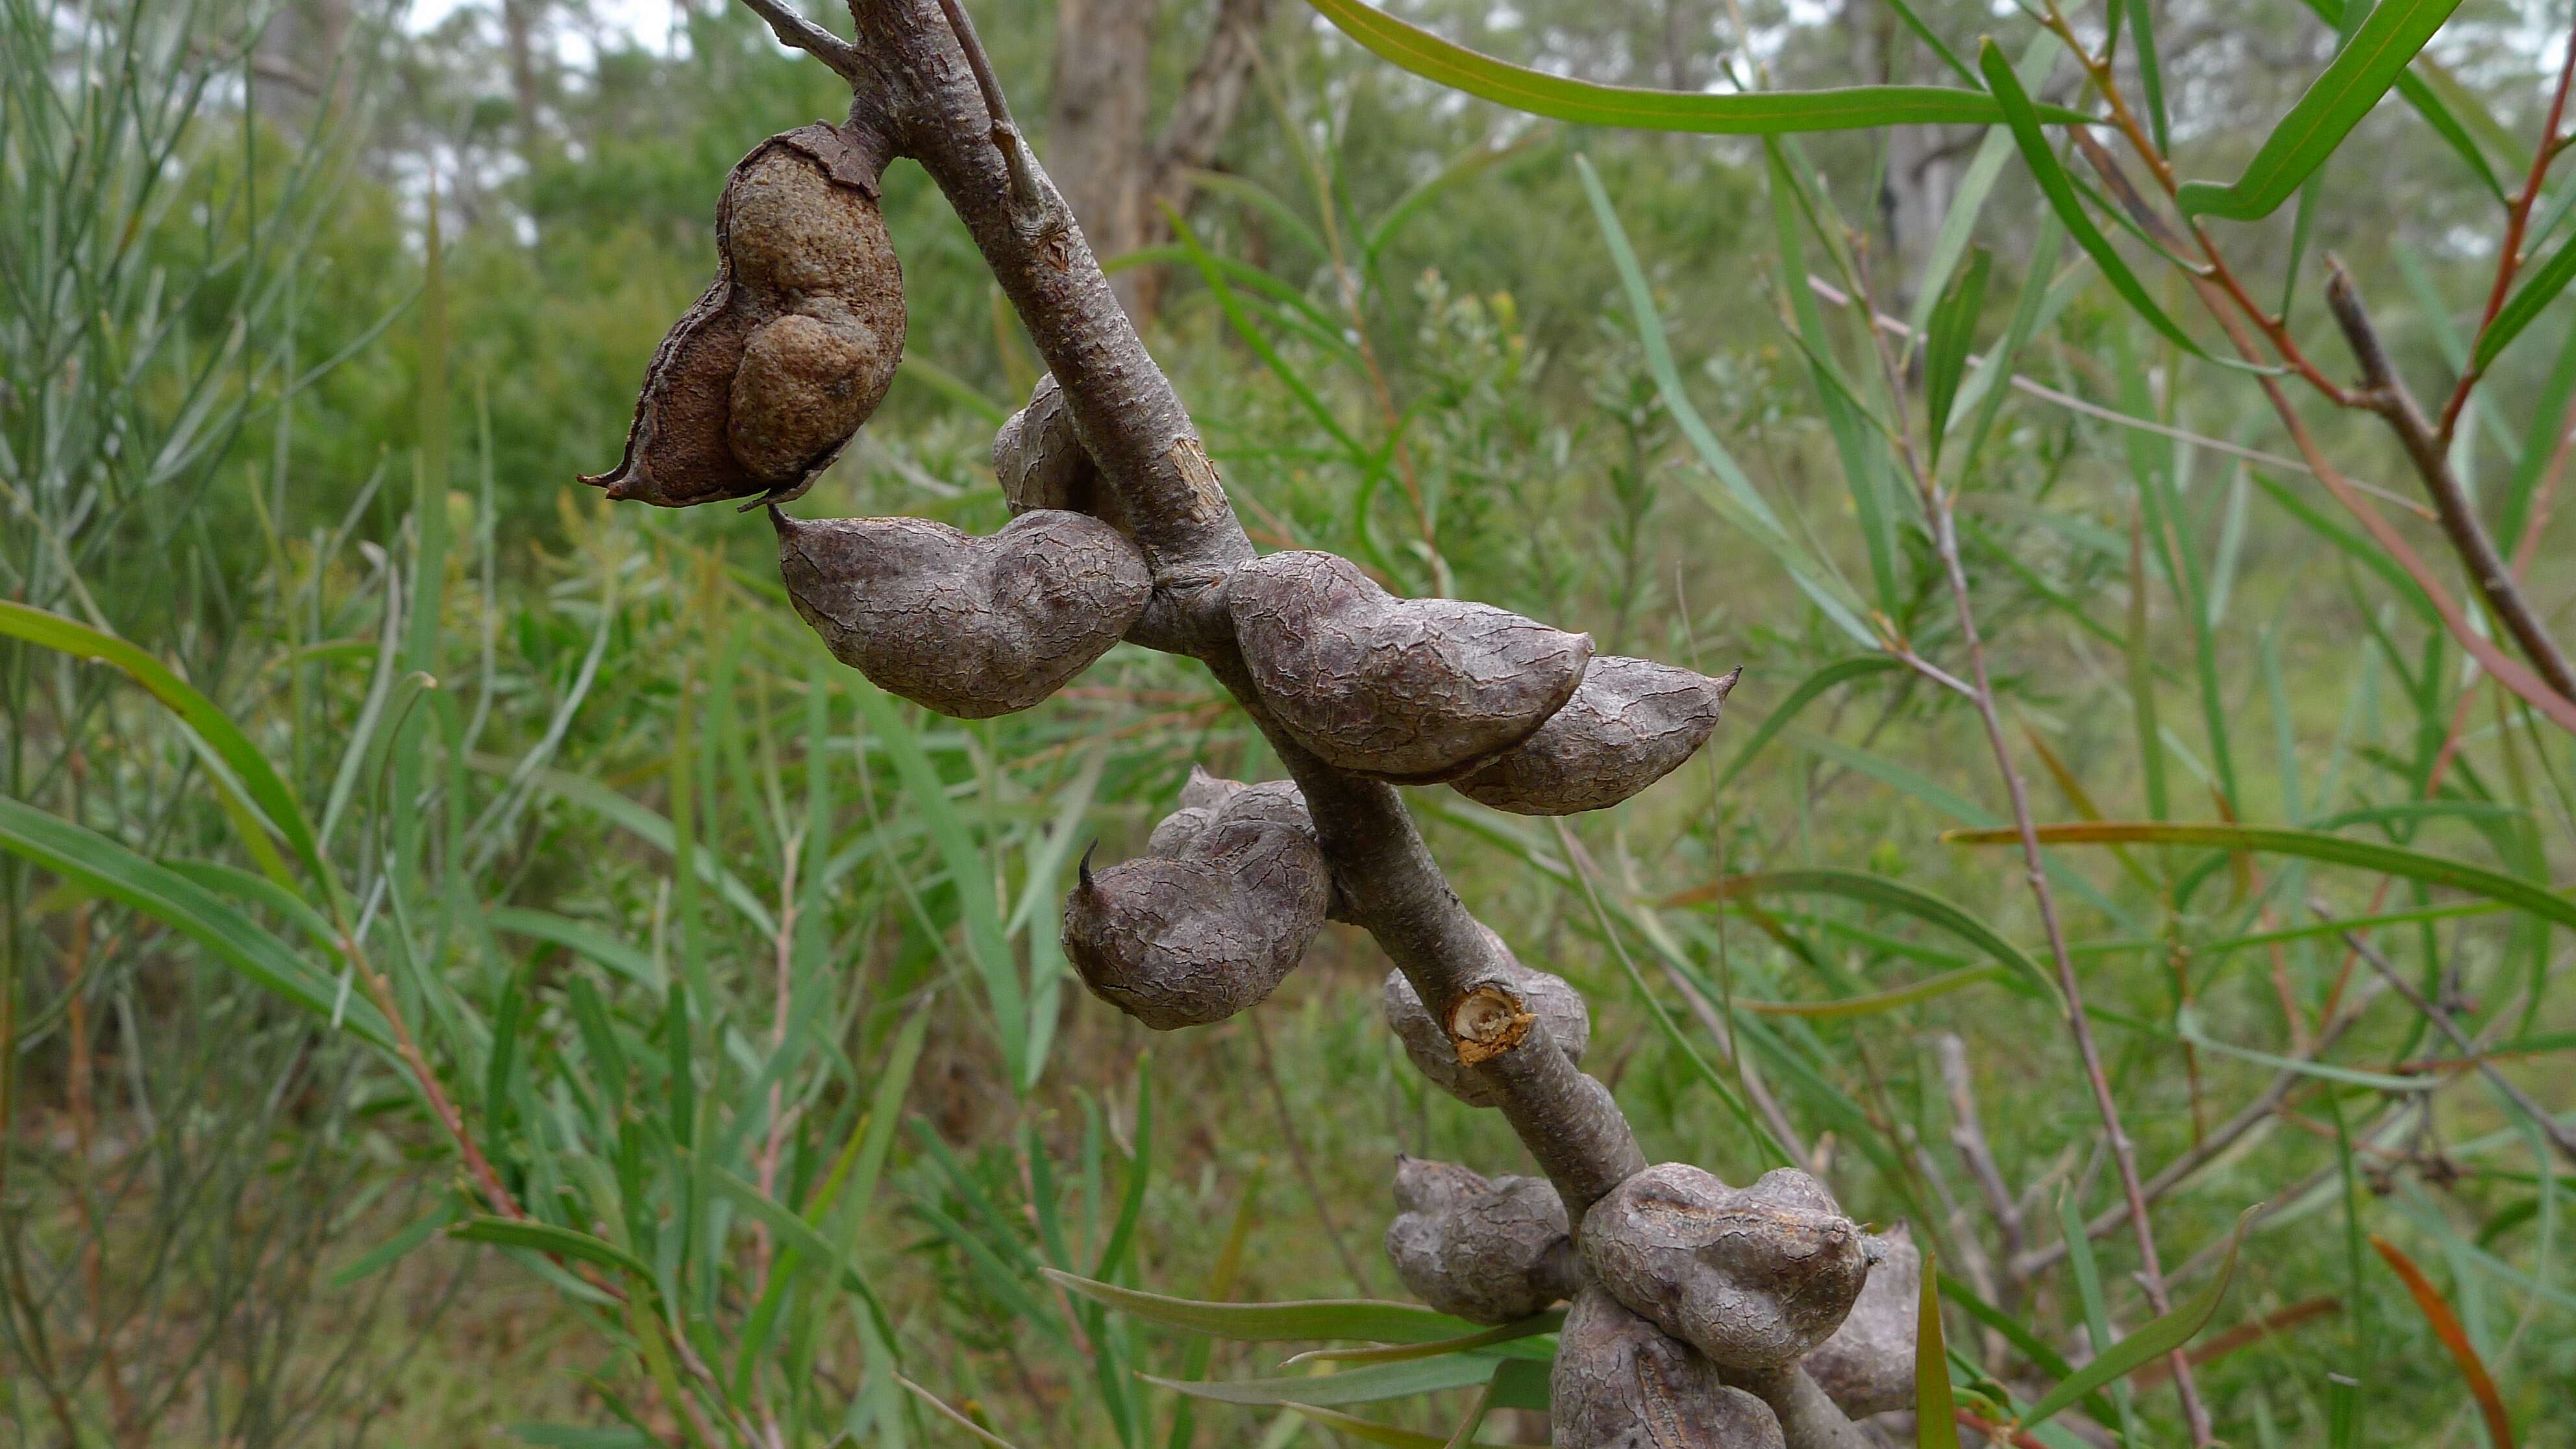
518	33
1099	147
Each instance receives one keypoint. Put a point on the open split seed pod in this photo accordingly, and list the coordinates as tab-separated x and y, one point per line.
1486	1250
1867	1366
1622	1383
1211	922
968	626
1414	690
759	386
1631	723
1435	1055
1752	1277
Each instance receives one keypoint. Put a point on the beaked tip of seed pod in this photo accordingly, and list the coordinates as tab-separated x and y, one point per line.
1082	870
1726	682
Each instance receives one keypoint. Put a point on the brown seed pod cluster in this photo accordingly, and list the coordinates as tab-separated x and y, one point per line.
1629	724
1214	919
1435	1055
1621	1383
1042	464
1867	1366
968	626
1413	690
760	385
1753	1277
1488	1251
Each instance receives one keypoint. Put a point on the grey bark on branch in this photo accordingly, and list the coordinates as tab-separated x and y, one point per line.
1351	687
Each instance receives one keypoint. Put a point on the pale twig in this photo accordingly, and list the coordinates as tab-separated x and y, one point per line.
2560	1136
798	33
2385	393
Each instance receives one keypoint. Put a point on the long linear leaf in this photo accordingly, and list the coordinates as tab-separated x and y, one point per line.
1859	666
2525	306
2308	845
1367	1319
2446	1327
1374	1384
1875	890
258	778
1936	1416
2345	92
1761	113
108	867
551	1240
2158	1337
2024	119
1370	1431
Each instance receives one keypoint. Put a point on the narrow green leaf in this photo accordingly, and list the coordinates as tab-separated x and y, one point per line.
385	1254
108	868
2024	119
1530	1327
2526	304
553	1241
2345	92
1374	1384
1760	113
2158	1337
1877	890
580	936
1369	1431
2151	75
1841	671
1953	331
2308	845
1365	1319
1936	1414
259	779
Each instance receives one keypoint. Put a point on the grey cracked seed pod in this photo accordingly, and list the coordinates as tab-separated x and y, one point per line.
1040	463
1621	1383
1485	1250
968	626
1550	998
1867	1366
1753	1277
761	383
1629	724
1413	690
1193	934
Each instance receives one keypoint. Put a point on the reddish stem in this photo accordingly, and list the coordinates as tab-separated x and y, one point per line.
2517	219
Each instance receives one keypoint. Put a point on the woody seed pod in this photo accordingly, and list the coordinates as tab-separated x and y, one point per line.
1621	1383
967	626
1041	464
1414	690
1752	1277
1631	723
1867	1366
759	386
1194	936
1569	1024
1486	1251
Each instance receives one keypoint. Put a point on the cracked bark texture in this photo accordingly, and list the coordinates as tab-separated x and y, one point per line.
1413	690
1620	1383
1753	1277
970	627
1867	1366
1214	920
922	89
1629	723
1488	1251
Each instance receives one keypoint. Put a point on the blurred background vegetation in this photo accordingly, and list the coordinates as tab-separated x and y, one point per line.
744	973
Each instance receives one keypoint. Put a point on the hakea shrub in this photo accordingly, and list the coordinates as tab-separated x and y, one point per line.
1701	1315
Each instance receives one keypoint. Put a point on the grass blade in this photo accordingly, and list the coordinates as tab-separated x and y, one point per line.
1763	113
2446	1327
1936	1415
1366	1319
2308	845
2345	92
2158	1337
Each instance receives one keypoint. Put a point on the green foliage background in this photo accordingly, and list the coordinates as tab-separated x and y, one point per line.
744	972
